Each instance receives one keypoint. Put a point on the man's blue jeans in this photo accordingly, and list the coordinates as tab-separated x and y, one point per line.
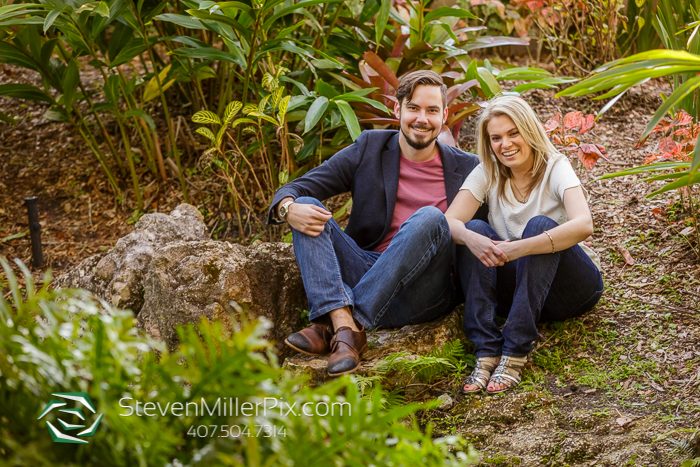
409	283
534	288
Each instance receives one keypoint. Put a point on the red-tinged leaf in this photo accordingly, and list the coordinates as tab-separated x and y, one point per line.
451	74
390	98
381	68
682	118
522	26
650	158
587	124
626	255
572	120
427	61
657	211
456	128
417	50
453	109
602	150
356	80
572	140
462	114
589	155
445	137
557	140
379	82
535	5
685	132
399	45
662	126
458	89
553	123
666	145
381	121
572	147
640	143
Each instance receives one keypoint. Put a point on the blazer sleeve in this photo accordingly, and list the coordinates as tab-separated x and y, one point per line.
331	178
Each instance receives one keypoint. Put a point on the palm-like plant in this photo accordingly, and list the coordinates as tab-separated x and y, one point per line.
620	75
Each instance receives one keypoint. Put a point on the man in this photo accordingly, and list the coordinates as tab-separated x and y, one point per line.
392	265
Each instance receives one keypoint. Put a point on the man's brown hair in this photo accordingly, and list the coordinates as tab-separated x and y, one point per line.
409	81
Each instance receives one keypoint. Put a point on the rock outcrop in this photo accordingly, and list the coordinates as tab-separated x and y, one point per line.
170	273
117	276
215	280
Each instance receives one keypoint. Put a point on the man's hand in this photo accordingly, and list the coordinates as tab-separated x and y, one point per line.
589	241
308	219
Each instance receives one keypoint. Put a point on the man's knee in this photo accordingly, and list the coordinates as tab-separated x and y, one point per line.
427	221
480	227
309	200
428	216
537	225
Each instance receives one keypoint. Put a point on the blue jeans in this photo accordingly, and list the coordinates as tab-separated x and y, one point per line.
409	283
534	288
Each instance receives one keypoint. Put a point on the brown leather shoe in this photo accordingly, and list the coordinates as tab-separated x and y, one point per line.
314	340
347	347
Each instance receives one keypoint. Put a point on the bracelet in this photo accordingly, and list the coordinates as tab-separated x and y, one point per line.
551	241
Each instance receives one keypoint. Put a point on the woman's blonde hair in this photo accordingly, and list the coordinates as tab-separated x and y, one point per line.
529	127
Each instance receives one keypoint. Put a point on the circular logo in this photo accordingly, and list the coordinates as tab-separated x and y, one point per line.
79	398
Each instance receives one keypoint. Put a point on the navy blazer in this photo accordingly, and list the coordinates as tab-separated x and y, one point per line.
369	169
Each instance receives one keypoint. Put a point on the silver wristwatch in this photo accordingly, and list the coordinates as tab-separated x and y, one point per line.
284	209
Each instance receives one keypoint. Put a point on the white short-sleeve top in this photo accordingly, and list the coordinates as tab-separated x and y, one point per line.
508	216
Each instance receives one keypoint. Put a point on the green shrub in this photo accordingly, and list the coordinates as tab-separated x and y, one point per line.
57	341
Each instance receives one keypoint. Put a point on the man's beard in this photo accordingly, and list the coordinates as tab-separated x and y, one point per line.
415	144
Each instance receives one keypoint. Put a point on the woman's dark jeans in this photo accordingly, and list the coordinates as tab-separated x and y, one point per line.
534	288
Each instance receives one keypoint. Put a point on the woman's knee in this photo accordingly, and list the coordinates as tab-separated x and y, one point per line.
537	225
480	227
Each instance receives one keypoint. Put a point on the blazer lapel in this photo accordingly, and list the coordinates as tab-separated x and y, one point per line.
391	159
453	179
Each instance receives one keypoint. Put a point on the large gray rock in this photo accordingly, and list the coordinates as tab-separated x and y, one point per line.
117	276
188	281
418	339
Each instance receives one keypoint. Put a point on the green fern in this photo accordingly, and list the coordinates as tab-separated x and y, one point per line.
428	368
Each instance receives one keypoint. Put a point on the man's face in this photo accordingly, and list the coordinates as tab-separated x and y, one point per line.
422	117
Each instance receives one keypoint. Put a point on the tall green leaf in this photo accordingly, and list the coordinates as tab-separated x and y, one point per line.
350	119
315	112
71	80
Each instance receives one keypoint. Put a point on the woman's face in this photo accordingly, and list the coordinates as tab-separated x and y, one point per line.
507	143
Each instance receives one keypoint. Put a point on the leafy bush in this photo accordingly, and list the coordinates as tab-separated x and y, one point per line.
54	341
336	62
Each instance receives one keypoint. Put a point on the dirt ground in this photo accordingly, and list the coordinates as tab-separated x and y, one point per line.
616	387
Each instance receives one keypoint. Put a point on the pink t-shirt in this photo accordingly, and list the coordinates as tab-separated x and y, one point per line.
420	184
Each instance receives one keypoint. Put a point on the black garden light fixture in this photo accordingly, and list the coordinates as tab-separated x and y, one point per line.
34	230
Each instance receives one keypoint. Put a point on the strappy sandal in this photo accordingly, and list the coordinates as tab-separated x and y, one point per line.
480	376
508	372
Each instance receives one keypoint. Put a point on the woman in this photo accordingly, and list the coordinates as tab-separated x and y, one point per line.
528	263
